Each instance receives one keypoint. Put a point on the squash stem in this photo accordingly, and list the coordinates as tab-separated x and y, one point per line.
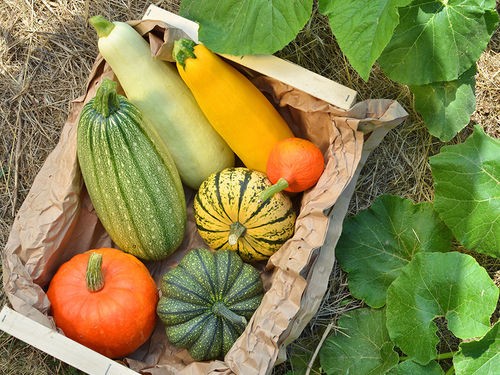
102	26
221	310
106	100
280	185
183	50
236	230
94	275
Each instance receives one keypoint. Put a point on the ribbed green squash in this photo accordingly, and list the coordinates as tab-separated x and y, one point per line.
136	191
207	300
230	215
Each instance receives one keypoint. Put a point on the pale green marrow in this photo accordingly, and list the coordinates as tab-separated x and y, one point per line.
175	120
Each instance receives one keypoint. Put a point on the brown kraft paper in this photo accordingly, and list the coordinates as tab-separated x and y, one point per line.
57	221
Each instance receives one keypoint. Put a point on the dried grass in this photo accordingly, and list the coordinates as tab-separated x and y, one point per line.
46	51
488	88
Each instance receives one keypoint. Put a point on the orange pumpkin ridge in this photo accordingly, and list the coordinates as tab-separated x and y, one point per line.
114	320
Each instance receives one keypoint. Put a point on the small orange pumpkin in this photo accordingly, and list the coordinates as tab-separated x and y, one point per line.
294	165
106	300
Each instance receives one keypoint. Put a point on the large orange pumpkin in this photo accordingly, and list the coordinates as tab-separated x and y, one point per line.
106	300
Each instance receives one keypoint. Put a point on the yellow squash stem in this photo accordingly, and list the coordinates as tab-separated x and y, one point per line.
236	109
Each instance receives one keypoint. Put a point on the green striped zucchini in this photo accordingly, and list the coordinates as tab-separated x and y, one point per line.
230	215
136	192
207	301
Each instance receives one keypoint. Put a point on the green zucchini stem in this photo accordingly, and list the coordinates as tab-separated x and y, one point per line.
236	230
102	26
106	101
280	185
93	275
183	50
221	310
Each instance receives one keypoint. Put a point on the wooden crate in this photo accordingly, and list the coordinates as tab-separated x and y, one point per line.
87	360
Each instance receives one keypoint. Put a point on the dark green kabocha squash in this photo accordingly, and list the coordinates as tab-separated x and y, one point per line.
207	301
134	186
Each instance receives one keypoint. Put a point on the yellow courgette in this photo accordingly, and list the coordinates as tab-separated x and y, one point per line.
237	110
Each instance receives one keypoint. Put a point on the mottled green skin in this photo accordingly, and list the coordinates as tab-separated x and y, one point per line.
136	191
202	281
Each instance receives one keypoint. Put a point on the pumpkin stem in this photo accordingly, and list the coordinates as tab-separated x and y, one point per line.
280	185
93	275
221	310
106	100
183	49
101	25
236	230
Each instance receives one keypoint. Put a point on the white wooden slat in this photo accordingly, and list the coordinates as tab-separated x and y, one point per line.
59	346
269	65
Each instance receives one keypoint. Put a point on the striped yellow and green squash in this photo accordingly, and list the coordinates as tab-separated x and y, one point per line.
230	215
136	190
207	301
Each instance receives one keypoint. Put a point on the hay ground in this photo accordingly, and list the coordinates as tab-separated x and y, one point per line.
46	51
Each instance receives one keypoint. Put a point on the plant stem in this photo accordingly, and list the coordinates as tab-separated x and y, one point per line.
101	25
183	49
450	371
106	100
280	185
236	230
439	357
442	356
219	309
318	347
93	275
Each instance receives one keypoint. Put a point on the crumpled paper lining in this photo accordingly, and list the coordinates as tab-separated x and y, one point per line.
57	221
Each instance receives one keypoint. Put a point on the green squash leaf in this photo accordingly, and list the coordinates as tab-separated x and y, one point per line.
438	40
413	368
452	285
479	357
247	27
446	107
362	28
362	347
378	242
467	191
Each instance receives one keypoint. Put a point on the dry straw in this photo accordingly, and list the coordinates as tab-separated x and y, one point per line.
43	66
